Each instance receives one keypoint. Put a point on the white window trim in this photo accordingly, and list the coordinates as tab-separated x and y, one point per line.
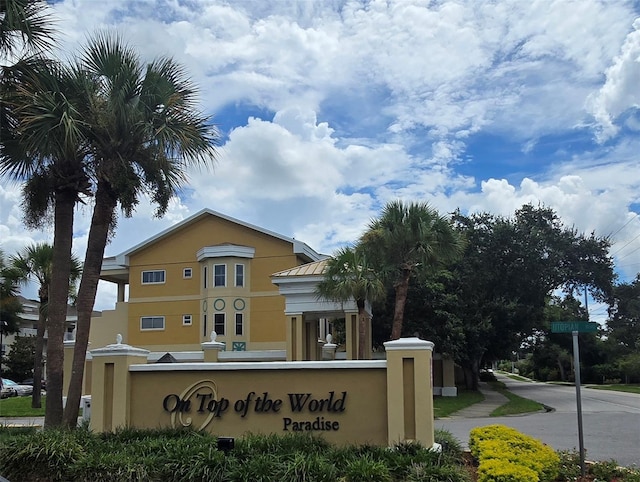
187	320
235	324
184	273
235	275
224	317
225	276
152	329
142	281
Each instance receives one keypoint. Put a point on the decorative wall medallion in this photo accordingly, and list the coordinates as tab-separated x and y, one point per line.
204	306
239	304
219	304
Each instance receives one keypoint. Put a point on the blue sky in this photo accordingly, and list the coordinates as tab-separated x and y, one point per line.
328	109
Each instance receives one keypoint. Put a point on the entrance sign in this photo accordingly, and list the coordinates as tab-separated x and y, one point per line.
571	326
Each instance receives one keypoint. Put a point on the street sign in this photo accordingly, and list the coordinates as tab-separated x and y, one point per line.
571	326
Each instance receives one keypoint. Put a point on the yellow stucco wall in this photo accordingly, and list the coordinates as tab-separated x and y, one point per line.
263	307
364	419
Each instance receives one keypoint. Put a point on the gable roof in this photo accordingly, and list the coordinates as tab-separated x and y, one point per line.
121	261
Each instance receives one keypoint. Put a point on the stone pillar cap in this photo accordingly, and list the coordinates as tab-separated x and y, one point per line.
411	343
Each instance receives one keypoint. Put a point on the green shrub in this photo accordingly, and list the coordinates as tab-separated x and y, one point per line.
365	469
437	473
608	470
569	466
45	454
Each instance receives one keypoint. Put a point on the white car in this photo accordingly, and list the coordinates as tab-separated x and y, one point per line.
21	390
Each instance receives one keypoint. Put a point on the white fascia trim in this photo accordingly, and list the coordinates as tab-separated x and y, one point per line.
225	251
298	365
254	355
303	249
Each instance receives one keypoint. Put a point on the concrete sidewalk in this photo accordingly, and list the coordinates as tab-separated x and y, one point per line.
492	400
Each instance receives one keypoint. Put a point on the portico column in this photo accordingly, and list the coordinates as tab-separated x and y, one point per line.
351	332
295	337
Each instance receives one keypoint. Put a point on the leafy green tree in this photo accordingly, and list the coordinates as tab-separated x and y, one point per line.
405	240
35	263
20	358
144	131
509	269
348	276
623	324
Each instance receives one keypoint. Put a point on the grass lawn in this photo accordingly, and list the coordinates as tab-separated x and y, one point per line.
515	405
20	407
445	406
631	388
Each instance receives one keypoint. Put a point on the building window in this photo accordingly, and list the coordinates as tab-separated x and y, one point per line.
204	325
205	277
153	277
218	323
239	275
220	275
239	324
187	320
187	273
152	323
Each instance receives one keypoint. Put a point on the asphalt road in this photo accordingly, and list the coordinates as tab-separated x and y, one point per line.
611	421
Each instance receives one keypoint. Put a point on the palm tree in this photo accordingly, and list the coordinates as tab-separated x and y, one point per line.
10	306
36	262
43	146
24	24
405	240
347	277
144	132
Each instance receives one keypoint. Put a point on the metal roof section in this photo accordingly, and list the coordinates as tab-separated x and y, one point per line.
310	269
115	267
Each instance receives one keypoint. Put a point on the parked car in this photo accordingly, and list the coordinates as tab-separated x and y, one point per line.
29	381
8	392
21	390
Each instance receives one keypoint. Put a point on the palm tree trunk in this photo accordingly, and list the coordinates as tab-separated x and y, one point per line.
101	223
58	296
36	401
402	289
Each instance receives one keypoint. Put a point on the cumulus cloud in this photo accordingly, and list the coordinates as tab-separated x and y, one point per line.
620	91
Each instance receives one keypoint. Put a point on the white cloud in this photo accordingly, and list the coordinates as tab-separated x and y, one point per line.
620	91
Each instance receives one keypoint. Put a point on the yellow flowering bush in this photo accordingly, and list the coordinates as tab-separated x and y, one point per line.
495	470
510	447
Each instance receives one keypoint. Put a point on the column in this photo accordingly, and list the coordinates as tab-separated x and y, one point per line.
409	392
111	384
212	348
351	332
449	388
69	346
295	337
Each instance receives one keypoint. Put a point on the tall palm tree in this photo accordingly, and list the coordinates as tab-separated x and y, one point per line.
24	25
35	262
43	146
404	240
347	277
10	306
144	131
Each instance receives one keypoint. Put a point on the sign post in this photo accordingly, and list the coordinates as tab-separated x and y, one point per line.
575	327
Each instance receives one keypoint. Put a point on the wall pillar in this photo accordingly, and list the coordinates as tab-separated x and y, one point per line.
295	337
449	388
111	384
351	332
212	348
409	391
69	346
